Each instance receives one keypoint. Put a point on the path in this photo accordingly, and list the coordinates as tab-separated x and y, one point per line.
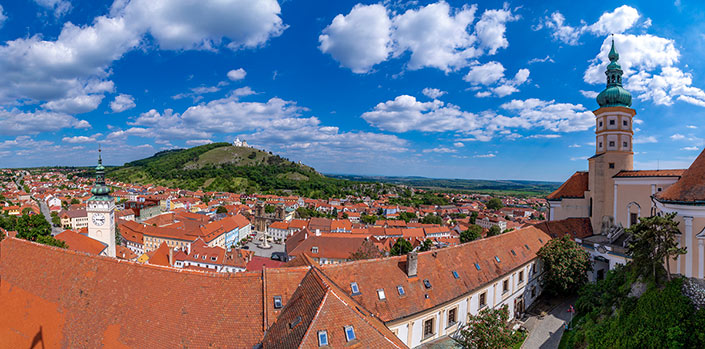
546	333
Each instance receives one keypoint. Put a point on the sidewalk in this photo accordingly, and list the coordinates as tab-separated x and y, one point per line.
546	333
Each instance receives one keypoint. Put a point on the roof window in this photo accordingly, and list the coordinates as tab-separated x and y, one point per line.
349	333
354	288
477	266
277	302
497	259
541	241
400	289
295	322
426	283
322	338
214	259
380	294
314	249
514	253
455	274
527	246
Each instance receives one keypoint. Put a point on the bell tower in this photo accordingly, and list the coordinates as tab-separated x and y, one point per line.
613	141
101	211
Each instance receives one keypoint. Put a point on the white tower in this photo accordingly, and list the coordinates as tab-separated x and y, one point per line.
101	211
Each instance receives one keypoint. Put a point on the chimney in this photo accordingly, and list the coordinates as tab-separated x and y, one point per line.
411	264
171	257
318	232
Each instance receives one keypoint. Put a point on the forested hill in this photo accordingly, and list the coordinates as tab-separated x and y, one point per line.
224	167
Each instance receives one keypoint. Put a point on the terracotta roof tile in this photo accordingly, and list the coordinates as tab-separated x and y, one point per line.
690	188
575	227
649	173
574	187
82	243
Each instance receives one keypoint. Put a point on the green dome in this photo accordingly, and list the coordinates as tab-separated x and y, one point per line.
614	96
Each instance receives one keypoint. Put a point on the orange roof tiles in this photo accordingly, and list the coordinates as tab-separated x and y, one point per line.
649	173
575	227
82	243
574	187
690	188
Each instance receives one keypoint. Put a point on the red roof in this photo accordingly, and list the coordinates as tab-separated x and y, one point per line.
574	187
649	173
575	227
257	263
690	188
82	243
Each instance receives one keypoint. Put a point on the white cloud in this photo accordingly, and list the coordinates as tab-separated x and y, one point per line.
574	146
3	17
488	155
692	126
690	148
677	136
442	150
81	139
541	60
485	74
491	28
16	122
548	136
122	102
237	74
576	158
642	140
436	36
405	113
59	7
433	92
360	39
561	31
193	142
458	144
615	22
589	94
75	105
557	117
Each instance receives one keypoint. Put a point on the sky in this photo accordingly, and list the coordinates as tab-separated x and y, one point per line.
482	90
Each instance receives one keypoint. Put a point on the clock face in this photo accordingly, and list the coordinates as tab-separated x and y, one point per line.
98	219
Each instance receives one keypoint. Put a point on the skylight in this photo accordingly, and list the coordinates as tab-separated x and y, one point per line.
427	283
349	333
527	246
455	274
541	241
514	253
322	338
354	288
400	289
295	322
497	259
477	266
380	294
277	302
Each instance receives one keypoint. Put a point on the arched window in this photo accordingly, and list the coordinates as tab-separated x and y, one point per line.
633	213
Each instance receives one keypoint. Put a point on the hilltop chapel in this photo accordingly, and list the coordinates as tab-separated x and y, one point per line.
612	196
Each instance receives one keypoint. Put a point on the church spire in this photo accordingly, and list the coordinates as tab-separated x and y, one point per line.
614	95
100	190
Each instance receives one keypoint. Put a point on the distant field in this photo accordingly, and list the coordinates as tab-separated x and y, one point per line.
492	187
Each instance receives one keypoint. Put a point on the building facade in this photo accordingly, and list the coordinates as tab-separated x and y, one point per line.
100	209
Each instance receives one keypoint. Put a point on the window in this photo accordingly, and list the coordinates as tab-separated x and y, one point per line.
277	302
624	144
497	259
195	256
214	259
624	122
322	338
611	143
533	269
521	276
611	122
314	249
428	328
400	289
204	258
505	286
426	283
349	333
527	246
455	274
380	294
541	241
514	253
611	164
600	144
483	299
295	322
533	291
477	266
354	288
452	317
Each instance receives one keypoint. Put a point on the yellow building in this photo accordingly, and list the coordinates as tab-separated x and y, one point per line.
614	196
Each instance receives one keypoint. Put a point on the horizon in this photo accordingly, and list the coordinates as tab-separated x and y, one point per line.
504	91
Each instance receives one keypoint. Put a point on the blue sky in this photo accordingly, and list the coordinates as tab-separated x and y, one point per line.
495	90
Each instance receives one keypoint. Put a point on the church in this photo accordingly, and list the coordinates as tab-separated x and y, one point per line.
612	195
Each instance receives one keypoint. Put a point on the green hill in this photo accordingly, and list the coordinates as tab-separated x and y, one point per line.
224	167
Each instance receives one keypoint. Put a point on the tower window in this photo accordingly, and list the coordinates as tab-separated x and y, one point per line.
611	143
600	123
624	144
611	122
600	144
611	164
624	122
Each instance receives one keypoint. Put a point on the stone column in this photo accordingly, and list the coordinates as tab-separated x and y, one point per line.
615	204
689	246
701	258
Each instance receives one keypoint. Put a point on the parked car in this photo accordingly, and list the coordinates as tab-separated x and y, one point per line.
245	247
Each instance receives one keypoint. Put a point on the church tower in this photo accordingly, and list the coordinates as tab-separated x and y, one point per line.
101	211
613	142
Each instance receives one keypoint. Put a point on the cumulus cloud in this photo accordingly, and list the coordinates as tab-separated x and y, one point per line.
492	73
17	122
59	7
589	94
122	102
690	148
677	136
433	92
81	139
405	113
237	74
488	155
3	17
615	22
542	60
458	144
194	142
643	140
360	39
434	35
442	150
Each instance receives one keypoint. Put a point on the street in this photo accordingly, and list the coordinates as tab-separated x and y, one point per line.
47	215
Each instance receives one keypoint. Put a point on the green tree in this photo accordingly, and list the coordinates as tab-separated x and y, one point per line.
55	220
489	329
367	250
431	219
221	209
494	204
51	241
75	201
473	217
401	247
426	246
494	230
474	232
653	242
565	265
269	208
368	219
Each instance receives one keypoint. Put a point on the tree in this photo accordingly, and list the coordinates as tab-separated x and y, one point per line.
489	329
494	204
473	217
653	242
565	265
368	219
367	250
75	201
407	216
474	232
401	247
51	241
55	220
431	219
494	230
269	209
426	246
221	209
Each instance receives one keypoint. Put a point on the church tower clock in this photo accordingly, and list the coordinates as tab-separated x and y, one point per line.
613	142
101	211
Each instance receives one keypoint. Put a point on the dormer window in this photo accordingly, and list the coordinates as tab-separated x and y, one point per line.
527	246
204	257
354	288
381	295
349	333
314	249
214	259
278	302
